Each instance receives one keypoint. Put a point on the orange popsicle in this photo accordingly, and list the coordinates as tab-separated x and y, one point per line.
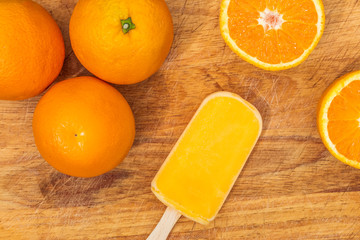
204	164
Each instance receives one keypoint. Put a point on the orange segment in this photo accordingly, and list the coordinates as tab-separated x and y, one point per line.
247	39
258	5
273	5
286	5
289	49
244	26
341	130
349	147
303	11
268	50
342	109
303	34
242	8
272	34
352	94
339	119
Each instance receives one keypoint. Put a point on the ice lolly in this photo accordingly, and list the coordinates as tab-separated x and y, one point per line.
202	167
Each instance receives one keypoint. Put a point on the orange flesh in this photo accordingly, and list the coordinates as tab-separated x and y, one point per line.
344	121
288	28
202	168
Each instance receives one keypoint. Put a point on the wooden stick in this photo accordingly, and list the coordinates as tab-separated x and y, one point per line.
165	225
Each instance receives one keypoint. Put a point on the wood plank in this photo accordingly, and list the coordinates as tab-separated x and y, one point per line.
291	187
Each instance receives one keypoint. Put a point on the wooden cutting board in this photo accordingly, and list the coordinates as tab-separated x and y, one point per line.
290	188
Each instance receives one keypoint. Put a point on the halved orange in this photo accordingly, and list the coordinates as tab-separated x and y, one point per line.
272	34
339	119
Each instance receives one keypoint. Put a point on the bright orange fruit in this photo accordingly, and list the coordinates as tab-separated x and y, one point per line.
83	127
121	41
32	49
339	119
272	34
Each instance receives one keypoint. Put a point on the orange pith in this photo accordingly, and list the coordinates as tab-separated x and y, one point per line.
272	34
344	121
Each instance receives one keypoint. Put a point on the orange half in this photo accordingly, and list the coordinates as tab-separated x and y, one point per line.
339	119
272	34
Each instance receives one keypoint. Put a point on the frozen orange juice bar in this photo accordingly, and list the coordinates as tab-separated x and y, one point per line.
201	169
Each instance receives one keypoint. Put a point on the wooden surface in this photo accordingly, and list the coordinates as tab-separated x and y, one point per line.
290	188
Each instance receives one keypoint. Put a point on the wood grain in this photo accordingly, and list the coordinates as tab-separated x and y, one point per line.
291	187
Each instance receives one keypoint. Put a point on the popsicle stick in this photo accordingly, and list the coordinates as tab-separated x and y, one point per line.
165	225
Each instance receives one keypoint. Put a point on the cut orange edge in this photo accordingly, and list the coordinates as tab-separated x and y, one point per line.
322	120
224	29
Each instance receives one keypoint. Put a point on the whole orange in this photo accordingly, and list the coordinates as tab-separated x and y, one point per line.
32	49
83	127
121	41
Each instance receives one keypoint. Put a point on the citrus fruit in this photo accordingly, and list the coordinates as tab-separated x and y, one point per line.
272	34
83	127
121	41
32	49
339	119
